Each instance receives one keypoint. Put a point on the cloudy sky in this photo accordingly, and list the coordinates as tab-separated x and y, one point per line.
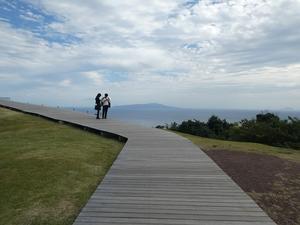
202	54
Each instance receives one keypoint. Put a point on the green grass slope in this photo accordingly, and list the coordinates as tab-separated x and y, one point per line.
48	170
216	144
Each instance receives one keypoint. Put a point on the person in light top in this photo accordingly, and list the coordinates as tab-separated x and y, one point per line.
105	104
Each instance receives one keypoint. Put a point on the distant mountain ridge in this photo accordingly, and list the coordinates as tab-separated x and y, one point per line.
149	106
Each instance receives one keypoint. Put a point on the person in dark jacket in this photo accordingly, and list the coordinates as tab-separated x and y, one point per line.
98	105
106	104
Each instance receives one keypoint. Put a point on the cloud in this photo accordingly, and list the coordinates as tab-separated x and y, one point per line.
94	76
65	83
31	17
217	49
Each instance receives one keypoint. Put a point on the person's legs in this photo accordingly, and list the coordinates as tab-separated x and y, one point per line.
104	112
98	111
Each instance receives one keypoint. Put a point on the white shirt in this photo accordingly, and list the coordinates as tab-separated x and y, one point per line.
105	101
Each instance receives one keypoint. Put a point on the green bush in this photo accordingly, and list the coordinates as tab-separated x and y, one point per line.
266	128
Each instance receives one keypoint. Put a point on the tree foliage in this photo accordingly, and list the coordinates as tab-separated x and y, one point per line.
266	128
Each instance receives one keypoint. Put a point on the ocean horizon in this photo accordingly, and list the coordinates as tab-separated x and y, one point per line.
153	116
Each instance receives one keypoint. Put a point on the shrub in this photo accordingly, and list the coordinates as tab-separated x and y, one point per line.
267	128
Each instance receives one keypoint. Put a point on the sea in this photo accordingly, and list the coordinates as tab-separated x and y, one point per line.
154	117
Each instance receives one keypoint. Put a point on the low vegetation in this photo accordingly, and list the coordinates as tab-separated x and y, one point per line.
247	147
48	170
266	128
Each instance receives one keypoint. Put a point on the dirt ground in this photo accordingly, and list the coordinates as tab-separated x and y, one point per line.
274	183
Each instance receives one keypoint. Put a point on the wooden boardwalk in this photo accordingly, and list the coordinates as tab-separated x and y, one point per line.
158	178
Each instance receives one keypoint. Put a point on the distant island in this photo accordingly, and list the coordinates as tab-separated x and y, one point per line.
149	106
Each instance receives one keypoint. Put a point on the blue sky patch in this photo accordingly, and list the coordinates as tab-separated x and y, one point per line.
191	3
116	76
23	15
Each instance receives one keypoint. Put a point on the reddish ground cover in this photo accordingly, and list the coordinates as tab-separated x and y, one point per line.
274	183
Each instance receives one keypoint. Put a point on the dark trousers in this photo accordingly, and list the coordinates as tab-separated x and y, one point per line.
104	111
98	111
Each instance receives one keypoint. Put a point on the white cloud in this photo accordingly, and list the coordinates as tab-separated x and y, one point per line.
65	83
94	76
31	17
234	49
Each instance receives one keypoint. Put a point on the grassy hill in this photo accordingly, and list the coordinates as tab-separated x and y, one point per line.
48	170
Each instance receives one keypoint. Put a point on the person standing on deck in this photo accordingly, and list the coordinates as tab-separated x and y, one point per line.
98	105
106	104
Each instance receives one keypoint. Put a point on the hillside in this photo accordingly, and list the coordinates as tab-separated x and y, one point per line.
48	170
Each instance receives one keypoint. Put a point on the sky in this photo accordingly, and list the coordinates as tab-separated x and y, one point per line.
231	54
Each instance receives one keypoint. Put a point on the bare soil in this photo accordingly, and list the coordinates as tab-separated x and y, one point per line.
273	182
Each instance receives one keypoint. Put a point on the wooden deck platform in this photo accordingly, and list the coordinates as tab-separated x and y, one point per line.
158	178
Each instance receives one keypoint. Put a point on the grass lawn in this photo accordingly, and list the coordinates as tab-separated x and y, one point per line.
48	170
270	175
215	144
